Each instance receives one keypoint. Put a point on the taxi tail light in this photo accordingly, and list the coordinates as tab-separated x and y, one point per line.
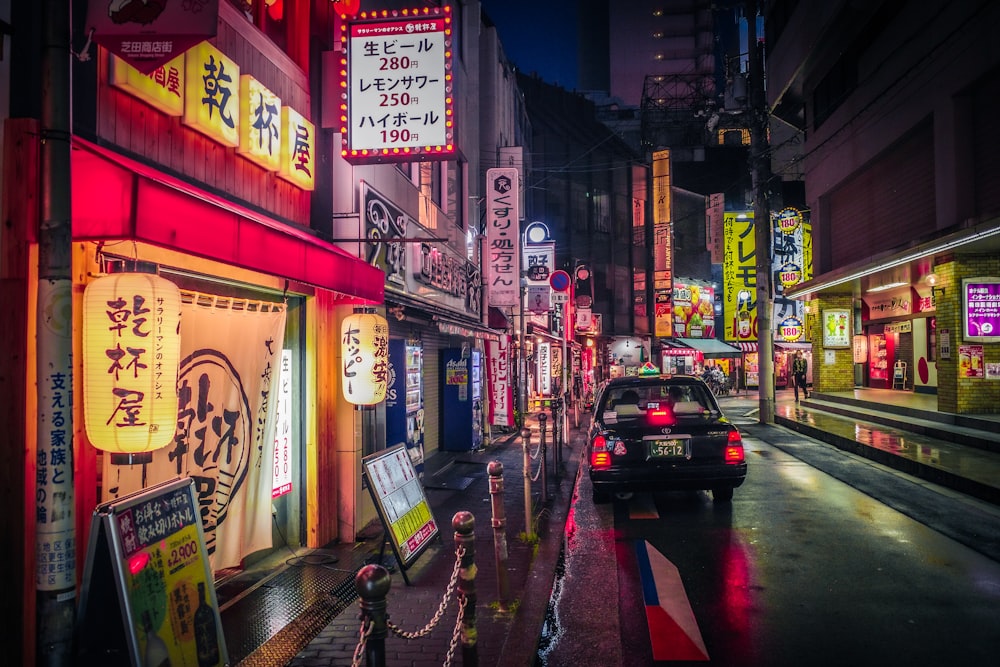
600	457
734	448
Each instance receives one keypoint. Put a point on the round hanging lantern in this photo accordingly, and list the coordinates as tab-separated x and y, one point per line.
364	345
131	352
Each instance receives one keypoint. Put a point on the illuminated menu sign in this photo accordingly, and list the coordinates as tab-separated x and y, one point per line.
981	309
399	101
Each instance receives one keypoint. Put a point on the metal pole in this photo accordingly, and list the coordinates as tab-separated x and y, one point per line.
465	538
55	594
542	417
526	446
564	421
372	584
522	367
495	471
761	169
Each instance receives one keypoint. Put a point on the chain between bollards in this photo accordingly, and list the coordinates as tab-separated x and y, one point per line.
499	522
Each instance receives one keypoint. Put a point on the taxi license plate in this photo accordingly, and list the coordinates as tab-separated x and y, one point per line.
666	448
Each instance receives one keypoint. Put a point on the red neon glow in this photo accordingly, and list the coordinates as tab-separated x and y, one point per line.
137	562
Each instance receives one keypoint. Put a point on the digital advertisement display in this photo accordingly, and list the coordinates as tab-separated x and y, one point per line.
981	309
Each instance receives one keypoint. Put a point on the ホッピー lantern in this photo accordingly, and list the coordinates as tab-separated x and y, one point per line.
131	353
364	344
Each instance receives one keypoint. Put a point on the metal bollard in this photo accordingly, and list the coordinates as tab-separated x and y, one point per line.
465	524
372	584
526	447
495	470
542	417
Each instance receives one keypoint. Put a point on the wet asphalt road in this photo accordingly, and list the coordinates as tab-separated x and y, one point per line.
800	569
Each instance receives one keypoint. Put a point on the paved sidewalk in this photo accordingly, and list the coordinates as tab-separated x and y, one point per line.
507	633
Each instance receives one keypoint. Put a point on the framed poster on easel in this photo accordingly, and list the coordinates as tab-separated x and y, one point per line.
401	504
148	597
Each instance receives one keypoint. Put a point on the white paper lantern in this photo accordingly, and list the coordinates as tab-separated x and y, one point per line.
364	345
131	353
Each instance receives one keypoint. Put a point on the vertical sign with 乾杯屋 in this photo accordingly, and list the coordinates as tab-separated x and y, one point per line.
260	124
212	94
503	245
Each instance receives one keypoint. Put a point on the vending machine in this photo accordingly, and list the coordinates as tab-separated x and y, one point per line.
404	403
461	399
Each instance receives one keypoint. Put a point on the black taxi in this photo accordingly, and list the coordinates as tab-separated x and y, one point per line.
662	433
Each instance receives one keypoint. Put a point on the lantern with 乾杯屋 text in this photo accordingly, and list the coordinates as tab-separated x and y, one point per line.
364	344
131	353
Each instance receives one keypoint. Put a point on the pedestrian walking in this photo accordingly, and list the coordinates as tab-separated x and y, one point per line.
800	369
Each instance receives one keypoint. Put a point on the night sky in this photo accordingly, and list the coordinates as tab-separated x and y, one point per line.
538	36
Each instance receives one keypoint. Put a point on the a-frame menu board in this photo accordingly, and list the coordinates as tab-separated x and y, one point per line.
401	503
148	597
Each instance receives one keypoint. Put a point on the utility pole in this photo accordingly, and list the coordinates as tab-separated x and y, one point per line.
55	533
760	159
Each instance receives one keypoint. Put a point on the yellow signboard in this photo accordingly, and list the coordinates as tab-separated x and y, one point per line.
163	88
260	124
212	94
298	149
739	276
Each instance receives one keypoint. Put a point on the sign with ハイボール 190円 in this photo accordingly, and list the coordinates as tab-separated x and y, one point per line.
399	100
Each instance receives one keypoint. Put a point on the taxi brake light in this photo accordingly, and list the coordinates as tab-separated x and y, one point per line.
600	459
734	448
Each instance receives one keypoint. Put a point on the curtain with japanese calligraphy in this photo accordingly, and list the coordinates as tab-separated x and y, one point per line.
230	358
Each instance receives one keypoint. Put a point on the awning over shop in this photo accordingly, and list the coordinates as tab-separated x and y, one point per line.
456	327
118	198
747	347
497	319
783	345
672	348
712	348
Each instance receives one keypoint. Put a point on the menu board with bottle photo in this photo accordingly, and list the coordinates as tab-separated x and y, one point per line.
148	597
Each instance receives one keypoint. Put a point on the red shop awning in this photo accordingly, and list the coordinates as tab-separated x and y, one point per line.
747	347
115	197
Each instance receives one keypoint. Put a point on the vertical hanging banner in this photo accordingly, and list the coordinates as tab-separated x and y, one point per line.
790	237
398	102
503	244
224	438
498	363
739	277
283	445
147	34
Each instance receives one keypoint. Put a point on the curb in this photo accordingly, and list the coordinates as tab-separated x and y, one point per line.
521	645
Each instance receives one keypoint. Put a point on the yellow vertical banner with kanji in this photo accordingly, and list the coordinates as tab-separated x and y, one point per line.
739	277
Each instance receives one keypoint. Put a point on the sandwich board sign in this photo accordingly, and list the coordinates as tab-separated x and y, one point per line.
148	597
401	503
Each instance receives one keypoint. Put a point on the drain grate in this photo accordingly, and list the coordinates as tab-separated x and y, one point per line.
273	619
287	643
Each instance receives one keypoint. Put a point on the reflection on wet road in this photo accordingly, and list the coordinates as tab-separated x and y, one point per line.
800	568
